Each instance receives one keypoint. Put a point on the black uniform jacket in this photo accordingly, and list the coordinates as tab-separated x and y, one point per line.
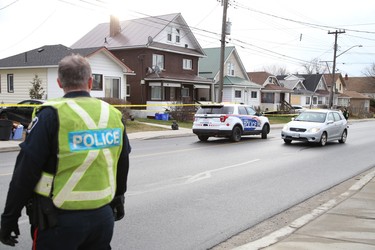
39	153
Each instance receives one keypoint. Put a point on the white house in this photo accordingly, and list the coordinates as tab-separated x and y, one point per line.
17	73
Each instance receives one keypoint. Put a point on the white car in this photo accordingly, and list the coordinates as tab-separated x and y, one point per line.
319	126
229	120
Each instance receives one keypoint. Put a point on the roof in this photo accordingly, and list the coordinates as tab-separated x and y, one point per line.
139	33
311	81
50	55
237	81
276	88
328	78
259	77
361	84
354	95
173	77
209	66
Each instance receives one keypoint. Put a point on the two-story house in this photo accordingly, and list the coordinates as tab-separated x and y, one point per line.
274	97
164	54
237	86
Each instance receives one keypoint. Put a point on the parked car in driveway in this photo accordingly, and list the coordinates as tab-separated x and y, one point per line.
319	126
298	109
229	120
21	112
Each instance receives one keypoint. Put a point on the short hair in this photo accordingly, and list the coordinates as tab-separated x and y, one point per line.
74	71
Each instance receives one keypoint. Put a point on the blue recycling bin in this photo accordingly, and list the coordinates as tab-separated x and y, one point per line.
5	129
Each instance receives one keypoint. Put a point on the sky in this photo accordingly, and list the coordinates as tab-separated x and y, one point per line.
268	34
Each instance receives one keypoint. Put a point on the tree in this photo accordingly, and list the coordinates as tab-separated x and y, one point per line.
370	71
36	91
276	70
312	67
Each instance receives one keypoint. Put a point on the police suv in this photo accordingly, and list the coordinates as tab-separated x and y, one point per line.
229	120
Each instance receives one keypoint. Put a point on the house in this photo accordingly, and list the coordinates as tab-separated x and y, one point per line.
363	85
315	93
338	98
274	97
237	86
300	94
361	91
18	71
164	54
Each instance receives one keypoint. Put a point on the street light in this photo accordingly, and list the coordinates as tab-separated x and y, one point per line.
360	46
333	87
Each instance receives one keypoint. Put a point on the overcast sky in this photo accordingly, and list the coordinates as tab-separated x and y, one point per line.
266	33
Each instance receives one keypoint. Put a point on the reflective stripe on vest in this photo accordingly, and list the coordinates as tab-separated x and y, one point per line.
98	138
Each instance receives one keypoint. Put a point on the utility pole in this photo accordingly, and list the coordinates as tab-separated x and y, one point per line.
333	86
222	50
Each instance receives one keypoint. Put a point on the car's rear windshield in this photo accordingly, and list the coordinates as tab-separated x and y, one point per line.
207	110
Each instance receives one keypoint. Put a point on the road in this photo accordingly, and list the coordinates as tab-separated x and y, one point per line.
186	194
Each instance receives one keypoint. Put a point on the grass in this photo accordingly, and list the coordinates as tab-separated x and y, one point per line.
138	125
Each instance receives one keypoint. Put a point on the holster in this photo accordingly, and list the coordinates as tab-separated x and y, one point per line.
42	213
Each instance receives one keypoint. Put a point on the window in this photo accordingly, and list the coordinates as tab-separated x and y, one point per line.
337	116
155	92
230	69
127	89
268	97
320	100
315	100
158	60
308	100
169	37
187	64
10	83
177	36
242	110
112	87
185	92
254	94
97	83
237	93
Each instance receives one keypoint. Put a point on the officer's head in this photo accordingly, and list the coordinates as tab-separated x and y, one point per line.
74	74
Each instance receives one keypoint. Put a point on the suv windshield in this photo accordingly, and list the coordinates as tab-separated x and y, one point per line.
207	110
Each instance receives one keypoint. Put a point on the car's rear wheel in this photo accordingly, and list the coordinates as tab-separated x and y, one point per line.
287	141
323	139
265	131
343	136
203	137
236	134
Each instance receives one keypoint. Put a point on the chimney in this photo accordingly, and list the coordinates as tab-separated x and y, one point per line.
346	77
114	26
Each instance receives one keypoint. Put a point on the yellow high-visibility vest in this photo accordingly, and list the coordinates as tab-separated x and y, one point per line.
90	139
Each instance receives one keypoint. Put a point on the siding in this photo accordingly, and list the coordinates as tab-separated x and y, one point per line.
22	83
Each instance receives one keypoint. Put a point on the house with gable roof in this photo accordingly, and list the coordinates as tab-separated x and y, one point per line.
317	87
299	94
274	97
18	71
164	54
237	86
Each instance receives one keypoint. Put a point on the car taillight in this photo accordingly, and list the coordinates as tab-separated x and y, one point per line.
223	118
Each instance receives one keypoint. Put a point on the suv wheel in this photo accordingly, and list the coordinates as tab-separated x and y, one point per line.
236	134
265	131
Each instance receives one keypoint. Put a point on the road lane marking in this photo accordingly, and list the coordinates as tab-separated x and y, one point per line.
184	180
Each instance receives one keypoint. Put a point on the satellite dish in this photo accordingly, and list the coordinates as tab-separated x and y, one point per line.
157	69
149	40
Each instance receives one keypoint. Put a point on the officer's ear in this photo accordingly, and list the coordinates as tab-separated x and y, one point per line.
59	83
90	83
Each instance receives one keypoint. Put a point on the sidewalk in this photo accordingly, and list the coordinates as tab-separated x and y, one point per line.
344	223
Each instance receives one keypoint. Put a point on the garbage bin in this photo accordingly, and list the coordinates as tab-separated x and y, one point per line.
5	129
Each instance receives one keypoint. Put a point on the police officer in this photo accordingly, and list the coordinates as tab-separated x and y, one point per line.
72	168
